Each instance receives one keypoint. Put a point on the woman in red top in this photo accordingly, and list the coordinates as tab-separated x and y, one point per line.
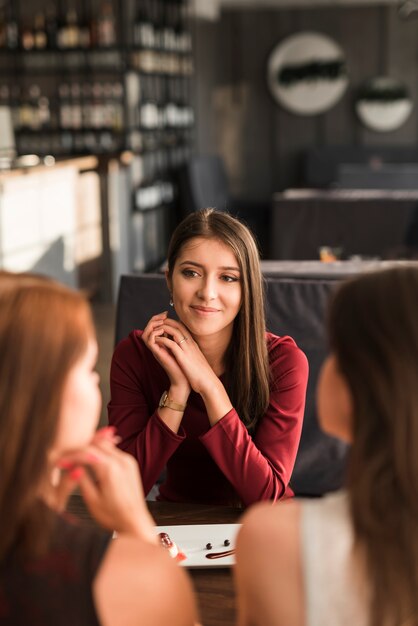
212	397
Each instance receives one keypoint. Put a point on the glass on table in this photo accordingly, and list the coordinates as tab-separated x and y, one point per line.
328	254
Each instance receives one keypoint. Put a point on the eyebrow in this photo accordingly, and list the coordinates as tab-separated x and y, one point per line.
222	267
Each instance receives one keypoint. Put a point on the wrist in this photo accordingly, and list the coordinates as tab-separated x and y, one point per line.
211	387
144	531
179	394
217	402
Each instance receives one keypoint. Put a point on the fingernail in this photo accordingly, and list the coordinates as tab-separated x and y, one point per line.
63	464
106	431
92	457
76	473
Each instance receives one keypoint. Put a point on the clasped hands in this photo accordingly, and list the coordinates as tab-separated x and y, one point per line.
178	353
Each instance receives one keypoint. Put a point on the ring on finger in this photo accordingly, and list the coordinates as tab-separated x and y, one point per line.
183	339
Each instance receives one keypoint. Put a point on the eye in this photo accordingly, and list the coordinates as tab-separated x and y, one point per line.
188	273
229	279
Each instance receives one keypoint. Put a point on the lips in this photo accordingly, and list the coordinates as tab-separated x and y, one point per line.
205	309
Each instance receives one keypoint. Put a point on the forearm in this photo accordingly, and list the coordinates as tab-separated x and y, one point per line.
254	475
216	401
154	436
172	417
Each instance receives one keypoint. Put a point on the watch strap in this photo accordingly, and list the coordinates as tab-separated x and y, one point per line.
165	401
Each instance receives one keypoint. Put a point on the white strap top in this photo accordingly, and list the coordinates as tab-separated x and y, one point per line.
335	588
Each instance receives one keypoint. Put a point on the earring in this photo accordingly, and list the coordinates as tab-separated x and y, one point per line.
171	302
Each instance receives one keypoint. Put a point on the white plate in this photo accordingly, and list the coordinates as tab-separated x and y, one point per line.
191	539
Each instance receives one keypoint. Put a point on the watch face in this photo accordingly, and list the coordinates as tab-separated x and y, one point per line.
163	399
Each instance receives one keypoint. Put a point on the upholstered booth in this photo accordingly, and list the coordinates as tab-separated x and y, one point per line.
362	200
361	167
369	223
295	306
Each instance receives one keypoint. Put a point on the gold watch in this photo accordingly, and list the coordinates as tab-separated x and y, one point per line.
165	401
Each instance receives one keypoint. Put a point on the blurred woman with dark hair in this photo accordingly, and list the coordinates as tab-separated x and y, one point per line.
350	558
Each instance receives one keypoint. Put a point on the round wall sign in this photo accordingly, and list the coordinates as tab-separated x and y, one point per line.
306	73
383	103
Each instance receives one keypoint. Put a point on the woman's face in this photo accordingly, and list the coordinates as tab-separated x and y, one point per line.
333	400
206	287
81	403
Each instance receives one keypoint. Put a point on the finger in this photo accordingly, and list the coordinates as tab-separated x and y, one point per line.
146	335
63	489
178	335
105	433
174	346
105	445
153	322
90	493
161	315
157	319
79	458
113	441
156	332
167	346
161	332
172	323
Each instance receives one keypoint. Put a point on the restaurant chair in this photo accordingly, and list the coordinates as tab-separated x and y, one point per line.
203	182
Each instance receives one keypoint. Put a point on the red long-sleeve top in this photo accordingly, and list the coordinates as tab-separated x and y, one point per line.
221	464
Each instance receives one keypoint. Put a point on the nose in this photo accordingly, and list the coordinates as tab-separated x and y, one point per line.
207	289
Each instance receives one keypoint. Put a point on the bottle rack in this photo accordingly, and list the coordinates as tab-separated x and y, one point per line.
64	71
102	77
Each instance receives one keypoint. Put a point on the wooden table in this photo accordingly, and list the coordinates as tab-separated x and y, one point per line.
213	586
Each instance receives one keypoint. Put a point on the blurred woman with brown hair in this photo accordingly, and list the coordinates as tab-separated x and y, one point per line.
211	395
350	558
53	570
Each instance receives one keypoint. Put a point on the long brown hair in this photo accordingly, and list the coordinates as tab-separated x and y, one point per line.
44	329
246	360
374	336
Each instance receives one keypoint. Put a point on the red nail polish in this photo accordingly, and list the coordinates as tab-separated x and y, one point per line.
106	431
76	473
63	464
92	457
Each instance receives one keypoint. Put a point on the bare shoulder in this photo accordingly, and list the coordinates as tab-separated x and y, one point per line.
268	545
140	583
265	521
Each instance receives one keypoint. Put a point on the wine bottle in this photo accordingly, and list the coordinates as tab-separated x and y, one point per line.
12	30
85	34
106	32
3	31
39	33
68	34
51	26
27	38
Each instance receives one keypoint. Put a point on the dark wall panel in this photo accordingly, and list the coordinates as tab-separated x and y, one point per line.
263	144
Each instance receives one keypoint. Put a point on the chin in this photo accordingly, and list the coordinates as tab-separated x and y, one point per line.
204	330
337	433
